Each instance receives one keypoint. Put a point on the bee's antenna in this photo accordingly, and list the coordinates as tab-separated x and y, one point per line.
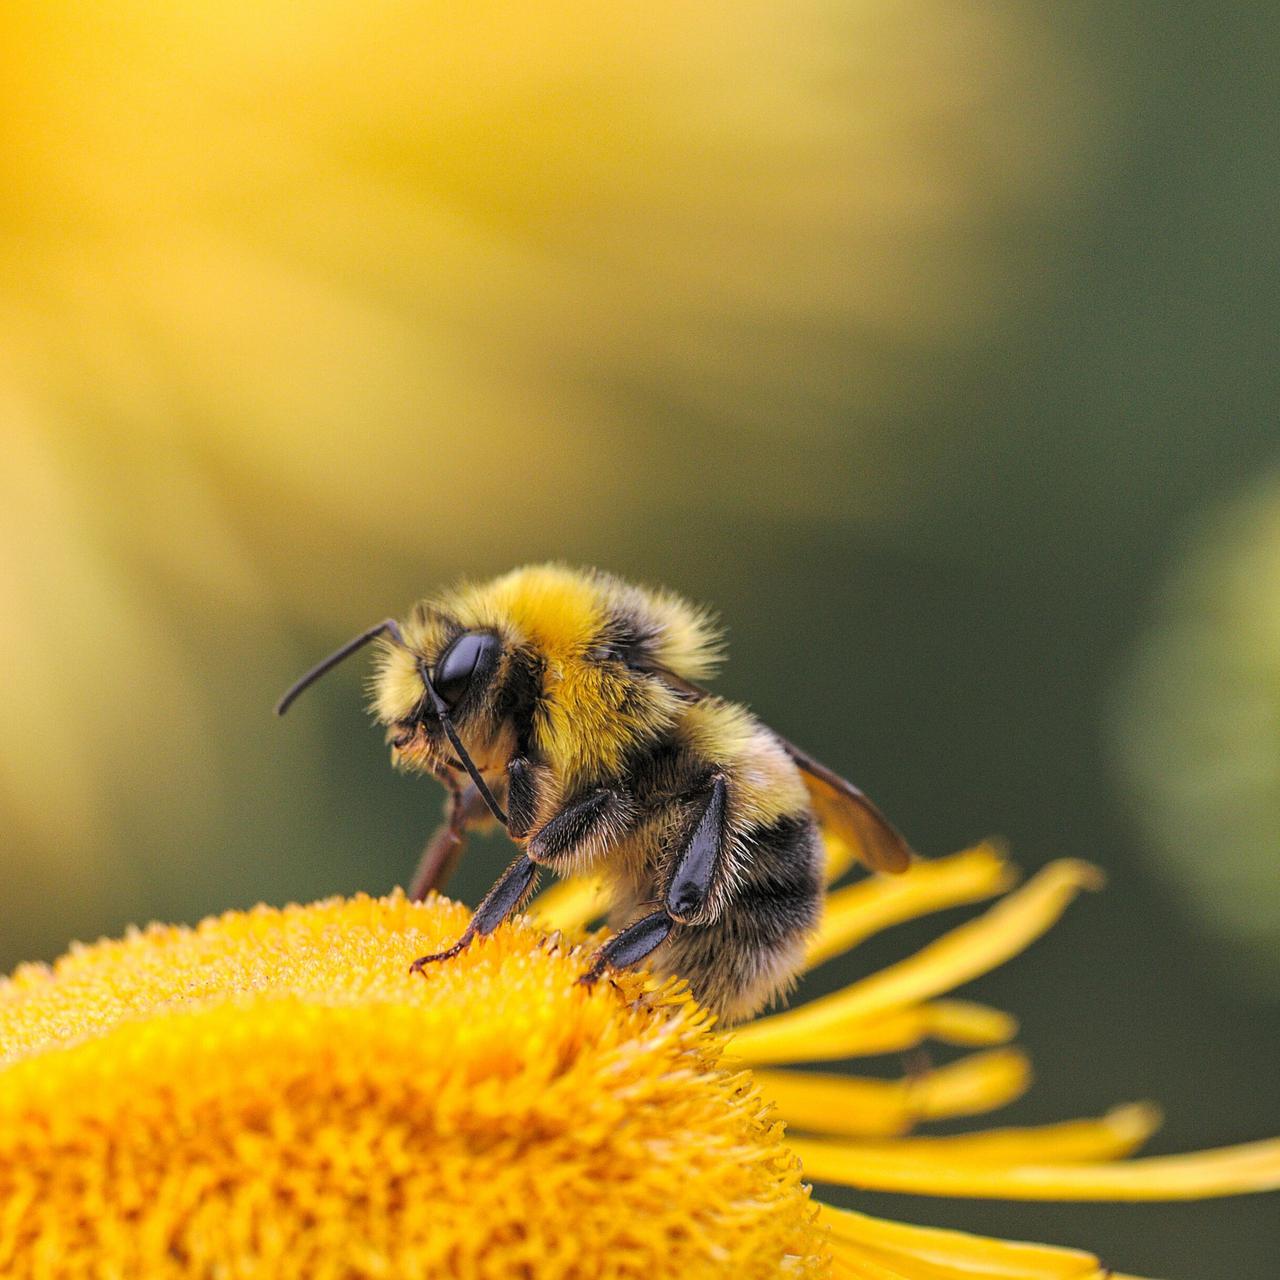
437	702
391	627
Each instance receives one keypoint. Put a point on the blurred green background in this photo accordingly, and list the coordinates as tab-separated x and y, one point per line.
935	345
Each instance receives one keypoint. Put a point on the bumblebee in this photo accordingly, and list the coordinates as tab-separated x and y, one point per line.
574	699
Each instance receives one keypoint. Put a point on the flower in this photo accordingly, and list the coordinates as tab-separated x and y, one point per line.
272	1092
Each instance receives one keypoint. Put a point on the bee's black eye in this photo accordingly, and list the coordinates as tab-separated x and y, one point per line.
459	662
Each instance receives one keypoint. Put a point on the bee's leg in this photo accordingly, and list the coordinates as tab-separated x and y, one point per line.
693	872
688	890
506	896
441	853
467	808
630	946
580	828
522	797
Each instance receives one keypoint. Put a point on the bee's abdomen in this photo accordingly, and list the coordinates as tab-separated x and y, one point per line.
781	880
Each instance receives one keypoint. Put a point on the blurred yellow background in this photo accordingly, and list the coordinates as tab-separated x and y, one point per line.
917	338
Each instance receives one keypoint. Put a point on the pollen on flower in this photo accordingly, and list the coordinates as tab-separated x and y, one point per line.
272	1093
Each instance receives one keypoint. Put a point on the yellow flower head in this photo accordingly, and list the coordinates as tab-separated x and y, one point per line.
273	1093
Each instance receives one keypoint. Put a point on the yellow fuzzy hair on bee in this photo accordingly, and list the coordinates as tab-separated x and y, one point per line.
565	612
573	697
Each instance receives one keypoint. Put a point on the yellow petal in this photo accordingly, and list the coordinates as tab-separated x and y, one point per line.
972	1085
975	947
570	905
859	1264
841	855
860	910
858	1107
955	1253
1226	1171
820	1032
827	1028
1120	1132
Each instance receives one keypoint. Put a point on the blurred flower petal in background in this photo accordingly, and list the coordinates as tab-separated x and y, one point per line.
346	258
1198	732
300	306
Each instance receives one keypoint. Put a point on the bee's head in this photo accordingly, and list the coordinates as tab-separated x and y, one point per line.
439	690
444	677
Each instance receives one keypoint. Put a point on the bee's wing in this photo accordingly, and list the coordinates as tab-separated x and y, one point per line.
839	806
846	812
